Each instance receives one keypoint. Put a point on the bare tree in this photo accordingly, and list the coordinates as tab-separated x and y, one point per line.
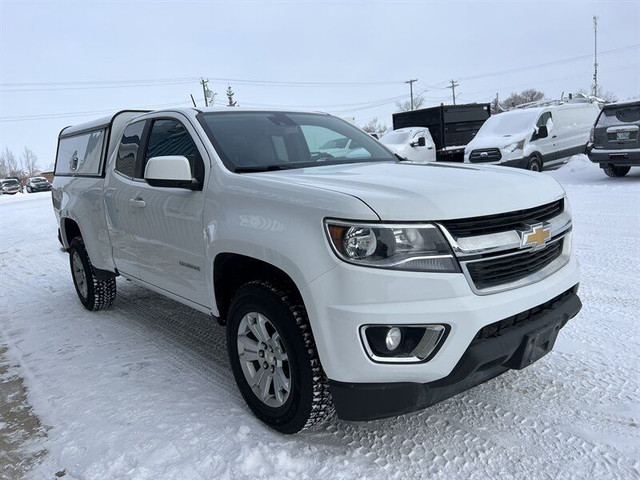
405	106
230	94
525	96
29	161
9	165
4	168
374	126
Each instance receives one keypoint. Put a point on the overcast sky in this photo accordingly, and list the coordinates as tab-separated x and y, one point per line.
63	63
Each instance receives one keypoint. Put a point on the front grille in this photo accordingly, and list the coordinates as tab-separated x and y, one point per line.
507	269
503	326
470	227
485	155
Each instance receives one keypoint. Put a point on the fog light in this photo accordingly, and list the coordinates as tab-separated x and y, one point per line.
402	343
394	336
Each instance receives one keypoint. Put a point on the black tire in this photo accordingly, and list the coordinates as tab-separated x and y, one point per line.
309	401
613	171
535	163
98	294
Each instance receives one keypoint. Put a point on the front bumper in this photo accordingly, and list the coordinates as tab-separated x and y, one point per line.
513	343
621	158
347	297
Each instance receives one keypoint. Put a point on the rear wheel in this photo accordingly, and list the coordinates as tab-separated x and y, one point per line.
613	171
93	293
535	164
274	358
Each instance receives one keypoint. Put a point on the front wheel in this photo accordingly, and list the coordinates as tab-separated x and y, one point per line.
94	294
274	359
535	164
613	171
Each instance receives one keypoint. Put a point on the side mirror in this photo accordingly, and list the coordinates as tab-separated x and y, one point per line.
170	171
542	132
421	142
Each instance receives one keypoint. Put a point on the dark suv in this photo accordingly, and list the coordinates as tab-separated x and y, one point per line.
614	142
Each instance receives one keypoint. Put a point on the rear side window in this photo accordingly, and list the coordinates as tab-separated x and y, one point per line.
170	137
128	149
622	115
81	155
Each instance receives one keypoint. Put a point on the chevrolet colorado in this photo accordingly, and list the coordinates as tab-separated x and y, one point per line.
360	283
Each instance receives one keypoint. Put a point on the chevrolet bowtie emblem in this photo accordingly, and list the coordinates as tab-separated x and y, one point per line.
537	236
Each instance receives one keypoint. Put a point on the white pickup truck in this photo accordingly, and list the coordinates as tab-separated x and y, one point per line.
364	283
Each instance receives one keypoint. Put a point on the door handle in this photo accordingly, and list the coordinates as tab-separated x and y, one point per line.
554	136
137	202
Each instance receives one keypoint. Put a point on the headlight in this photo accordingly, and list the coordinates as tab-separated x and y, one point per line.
512	147
412	247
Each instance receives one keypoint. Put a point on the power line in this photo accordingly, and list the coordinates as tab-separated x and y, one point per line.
101	84
87	85
553	79
48	116
548	64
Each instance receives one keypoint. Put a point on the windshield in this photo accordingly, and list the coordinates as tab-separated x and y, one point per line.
395	138
256	141
619	115
38	180
510	123
10	182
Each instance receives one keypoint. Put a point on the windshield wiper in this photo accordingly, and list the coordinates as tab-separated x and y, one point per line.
401	158
263	168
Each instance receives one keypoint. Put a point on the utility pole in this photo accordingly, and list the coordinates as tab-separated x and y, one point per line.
595	56
410	82
205	88
453	86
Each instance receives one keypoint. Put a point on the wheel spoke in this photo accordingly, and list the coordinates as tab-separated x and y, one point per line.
281	380
249	356
265	385
248	344
262	326
252	323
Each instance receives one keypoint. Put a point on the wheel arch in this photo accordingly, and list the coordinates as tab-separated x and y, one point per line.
232	270
69	229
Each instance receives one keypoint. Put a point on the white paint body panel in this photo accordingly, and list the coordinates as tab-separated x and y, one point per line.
277	217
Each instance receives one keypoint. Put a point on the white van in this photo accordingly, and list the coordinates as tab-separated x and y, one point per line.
533	138
412	143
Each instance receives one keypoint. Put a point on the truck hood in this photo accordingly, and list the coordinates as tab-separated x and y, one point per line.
429	191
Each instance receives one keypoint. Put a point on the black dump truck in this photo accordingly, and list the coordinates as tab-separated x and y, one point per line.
451	126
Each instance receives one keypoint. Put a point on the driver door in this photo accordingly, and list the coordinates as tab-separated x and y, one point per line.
418	153
546	146
169	232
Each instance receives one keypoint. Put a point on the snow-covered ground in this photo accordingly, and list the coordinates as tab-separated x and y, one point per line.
144	390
